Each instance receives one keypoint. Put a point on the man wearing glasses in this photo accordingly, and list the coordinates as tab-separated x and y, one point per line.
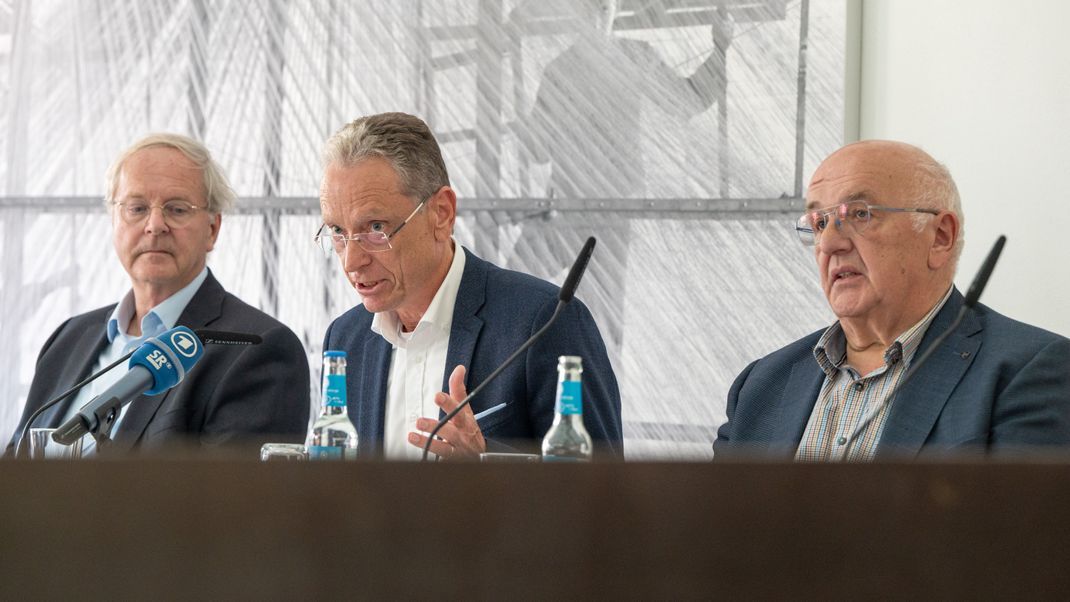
886	225
166	195
434	316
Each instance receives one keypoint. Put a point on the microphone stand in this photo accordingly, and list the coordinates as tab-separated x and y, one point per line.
565	295
65	395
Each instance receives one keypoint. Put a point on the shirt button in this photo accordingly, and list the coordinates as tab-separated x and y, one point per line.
841	441
859	386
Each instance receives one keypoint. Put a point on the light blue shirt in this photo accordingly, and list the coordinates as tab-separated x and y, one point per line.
159	319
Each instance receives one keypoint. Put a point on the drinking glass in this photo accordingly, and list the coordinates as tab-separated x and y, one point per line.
271	452
42	447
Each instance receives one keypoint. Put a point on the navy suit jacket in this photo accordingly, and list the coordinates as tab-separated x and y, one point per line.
496	311
234	394
994	385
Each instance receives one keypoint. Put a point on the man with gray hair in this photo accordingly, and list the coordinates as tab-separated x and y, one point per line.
166	196
885	222
434	316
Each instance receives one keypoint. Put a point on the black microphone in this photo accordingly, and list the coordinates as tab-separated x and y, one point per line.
972	296
564	296
981	279
157	365
568	289
223	337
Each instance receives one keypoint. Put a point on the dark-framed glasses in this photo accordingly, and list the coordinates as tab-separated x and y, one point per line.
372	242
175	213
856	214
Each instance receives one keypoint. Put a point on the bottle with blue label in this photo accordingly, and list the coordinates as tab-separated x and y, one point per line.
333	436
567	440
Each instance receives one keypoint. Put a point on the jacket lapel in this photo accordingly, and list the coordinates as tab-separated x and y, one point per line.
85	355
467	325
371	408
796	404
204	308
918	404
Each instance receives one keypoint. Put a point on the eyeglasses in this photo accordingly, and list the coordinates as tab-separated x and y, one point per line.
372	242
175	213
857	214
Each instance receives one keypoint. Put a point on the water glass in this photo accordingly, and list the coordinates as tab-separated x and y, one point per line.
271	452
42	447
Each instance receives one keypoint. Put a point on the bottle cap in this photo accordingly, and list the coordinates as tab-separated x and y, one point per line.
334	354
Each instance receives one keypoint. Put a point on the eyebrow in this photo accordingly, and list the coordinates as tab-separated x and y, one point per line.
364	222
860	195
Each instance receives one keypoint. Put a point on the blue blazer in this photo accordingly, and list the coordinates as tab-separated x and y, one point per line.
496	311
994	385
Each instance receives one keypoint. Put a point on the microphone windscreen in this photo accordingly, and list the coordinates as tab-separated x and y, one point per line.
568	289
168	357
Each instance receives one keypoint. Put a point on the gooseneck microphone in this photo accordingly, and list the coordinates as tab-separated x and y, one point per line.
223	337
159	364
973	294
564	296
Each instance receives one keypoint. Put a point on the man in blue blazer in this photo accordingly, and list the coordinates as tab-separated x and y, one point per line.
434	316
886	224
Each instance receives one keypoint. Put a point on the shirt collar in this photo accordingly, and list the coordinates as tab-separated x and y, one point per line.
160	318
831	349
439	314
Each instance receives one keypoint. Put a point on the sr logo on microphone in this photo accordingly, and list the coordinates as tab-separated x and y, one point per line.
184	343
158	359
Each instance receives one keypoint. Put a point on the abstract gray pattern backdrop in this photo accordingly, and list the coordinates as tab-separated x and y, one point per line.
552	131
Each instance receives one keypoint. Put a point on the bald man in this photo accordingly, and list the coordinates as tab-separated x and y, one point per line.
886	225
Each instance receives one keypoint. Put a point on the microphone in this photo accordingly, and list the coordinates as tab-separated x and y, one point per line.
223	337
159	364
564	296
972	296
568	289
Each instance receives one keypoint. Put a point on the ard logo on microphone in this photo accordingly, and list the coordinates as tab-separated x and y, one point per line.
184	343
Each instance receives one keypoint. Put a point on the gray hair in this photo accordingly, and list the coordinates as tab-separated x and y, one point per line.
217	191
403	140
935	188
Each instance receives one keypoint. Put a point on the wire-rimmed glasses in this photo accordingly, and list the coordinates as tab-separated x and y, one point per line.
175	213
372	242
857	214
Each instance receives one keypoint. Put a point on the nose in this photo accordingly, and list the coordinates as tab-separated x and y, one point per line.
155	222
354	257
835	239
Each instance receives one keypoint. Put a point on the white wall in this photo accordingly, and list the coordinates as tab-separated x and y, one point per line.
984	86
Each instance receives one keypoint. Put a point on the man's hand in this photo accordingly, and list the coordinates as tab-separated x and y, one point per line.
460	438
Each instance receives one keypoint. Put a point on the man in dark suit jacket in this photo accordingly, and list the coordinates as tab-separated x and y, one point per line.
434	316
234	394
994	385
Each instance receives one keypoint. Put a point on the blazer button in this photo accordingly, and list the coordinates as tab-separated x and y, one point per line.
964	354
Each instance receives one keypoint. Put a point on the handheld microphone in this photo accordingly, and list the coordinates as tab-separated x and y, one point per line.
972	296
564	296
223	337
159	364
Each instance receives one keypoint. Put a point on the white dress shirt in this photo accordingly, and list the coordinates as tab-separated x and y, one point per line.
417	363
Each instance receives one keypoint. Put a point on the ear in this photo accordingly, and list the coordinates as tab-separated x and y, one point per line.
945	239
443	211
213	226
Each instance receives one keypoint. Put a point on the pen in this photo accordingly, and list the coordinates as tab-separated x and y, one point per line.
489	411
